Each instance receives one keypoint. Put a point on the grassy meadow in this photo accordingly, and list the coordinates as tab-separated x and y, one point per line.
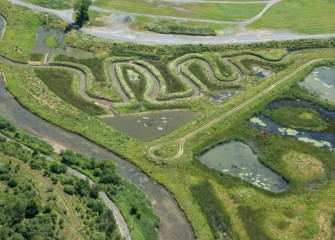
302	16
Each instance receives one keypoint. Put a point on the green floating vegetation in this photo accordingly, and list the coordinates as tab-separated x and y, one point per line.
62	83
168	28
297	117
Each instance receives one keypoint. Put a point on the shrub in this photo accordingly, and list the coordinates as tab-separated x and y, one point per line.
69	189
57	167
165	27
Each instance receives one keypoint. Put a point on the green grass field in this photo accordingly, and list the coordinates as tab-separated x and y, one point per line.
303	16
55	4
211	11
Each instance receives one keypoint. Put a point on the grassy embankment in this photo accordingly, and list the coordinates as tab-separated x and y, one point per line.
212	11
55	4
302	16
297	117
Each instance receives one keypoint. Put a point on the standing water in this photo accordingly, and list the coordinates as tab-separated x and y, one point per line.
321	82
237	159
148	126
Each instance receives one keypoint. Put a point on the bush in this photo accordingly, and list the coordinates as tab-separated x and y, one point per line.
57	167
12	183
165	27
32	209
108	176
69	189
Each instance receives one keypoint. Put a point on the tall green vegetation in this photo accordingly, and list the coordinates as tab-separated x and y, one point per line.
216	214
40	200
81	10
62	82
133	204
167	28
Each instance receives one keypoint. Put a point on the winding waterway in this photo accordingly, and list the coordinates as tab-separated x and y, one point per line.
173	222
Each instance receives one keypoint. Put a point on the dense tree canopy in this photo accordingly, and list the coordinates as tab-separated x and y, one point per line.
81	8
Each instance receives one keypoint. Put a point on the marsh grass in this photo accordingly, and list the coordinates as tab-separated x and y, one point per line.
214	210
60	81
136	81
297	117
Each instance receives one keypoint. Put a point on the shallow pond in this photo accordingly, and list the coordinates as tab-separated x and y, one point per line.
321	82
237	159
41	47
262	72
323	140
148	126
223	96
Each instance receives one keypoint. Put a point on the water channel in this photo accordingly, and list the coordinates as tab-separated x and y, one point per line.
322	140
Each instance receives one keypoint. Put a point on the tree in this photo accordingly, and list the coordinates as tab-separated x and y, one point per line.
32	209
81	9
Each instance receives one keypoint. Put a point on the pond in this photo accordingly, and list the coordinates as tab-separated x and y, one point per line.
148	126
41	47
262	72
321	82
237	159
323	140
223	96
